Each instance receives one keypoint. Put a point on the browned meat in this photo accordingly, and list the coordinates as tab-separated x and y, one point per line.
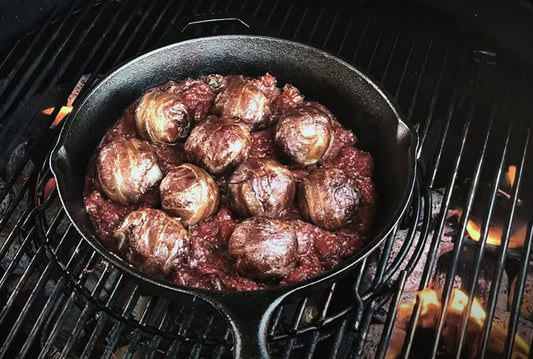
162	117
329	198
236	173
189	193
261	187
264	248
152	240
244	101
218	144
126	169
304	133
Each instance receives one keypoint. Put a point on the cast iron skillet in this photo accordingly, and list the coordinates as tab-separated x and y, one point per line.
356	101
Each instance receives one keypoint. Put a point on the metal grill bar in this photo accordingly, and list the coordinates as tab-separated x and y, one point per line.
49	306
407	62
338	339
484	234
330	31
24	57
345	37
374	50
389	59
360	41
77	44
300	23
414	97
127	45
392	269
365	323
406	350
317	22
20	284
446	127
59	323
450	275
58	51
502	255
79	261
100	63
9	212
391	317
519	293
434	99
22	249
155	25
34	65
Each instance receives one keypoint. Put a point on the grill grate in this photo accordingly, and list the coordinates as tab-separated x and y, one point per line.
60	299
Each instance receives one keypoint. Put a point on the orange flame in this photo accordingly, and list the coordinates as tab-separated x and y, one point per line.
518	234
430	309
459	301
510	175
65	110
48	111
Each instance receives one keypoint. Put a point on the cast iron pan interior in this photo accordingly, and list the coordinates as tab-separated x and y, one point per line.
358	104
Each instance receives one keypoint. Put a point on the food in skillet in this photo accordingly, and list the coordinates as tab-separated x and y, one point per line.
230	183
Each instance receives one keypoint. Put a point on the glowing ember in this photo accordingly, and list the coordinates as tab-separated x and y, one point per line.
65	110
459	301
510	175
518	235
430	309
48	111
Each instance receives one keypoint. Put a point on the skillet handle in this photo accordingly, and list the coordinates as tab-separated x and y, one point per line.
249	323
244	24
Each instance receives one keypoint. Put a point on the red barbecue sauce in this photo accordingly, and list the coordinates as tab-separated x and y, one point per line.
209	264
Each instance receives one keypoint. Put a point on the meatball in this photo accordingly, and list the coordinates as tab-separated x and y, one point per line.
162	117
261	187
152	240
189	193
218	144
304	133
126	169
264	248
329	198
244	101
197	96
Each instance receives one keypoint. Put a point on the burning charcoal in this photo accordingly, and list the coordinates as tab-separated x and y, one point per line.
500	216
424	333
526	309
464	273
427	323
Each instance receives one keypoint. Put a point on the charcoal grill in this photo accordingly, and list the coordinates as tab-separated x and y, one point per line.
458	81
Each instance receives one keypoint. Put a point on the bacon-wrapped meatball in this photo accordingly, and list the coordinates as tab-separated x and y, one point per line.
329	198
244	101
304	133
189	193
218	144
126	169
162	117
261	187
264	248
152	240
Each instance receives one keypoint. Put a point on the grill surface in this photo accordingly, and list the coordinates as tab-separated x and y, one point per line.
467	98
